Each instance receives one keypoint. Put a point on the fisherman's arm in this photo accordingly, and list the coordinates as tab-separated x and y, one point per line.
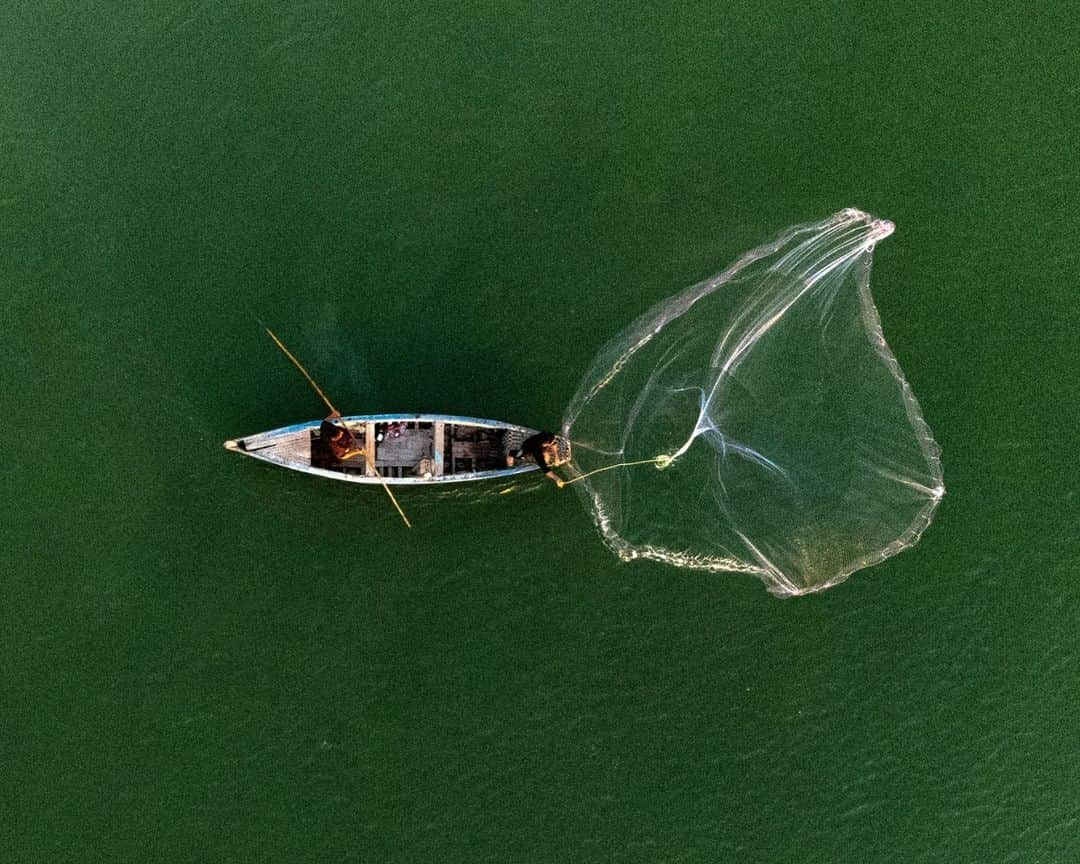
554	477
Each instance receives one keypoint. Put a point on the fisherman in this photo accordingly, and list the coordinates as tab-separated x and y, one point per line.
341	442
543	449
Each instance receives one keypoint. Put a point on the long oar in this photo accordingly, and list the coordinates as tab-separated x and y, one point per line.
334	411
303	372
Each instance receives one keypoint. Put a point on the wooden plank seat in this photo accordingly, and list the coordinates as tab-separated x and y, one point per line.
482	455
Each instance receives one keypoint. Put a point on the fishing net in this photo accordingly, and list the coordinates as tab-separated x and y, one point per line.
757	422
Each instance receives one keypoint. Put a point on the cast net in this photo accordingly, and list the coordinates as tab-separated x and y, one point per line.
759	421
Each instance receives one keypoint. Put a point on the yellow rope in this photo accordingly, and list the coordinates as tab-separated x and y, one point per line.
337	415
661	461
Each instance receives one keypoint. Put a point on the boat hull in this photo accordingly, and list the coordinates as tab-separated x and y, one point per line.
410	449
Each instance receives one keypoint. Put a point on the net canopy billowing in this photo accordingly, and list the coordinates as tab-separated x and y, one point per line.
768	425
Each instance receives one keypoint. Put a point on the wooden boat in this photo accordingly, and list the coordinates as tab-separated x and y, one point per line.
408	449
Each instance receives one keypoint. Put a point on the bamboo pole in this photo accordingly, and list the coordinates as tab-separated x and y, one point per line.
336	415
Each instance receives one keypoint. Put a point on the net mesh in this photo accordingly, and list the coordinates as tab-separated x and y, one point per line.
768	426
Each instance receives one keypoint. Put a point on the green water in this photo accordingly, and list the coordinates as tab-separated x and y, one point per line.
449	208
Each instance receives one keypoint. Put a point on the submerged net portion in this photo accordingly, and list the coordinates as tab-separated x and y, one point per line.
772	429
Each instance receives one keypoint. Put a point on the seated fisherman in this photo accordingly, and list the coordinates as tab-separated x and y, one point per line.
543	449
341	442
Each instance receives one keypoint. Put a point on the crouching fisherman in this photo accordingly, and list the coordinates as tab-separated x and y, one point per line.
338	439
546	450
